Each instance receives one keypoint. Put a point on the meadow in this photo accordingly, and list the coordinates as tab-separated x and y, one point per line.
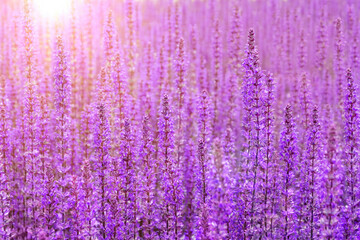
188	119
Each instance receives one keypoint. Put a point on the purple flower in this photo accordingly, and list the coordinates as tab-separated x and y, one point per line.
62	124
109	36
289	160
171	185
332	186
149	207
254	132
102	162
351	190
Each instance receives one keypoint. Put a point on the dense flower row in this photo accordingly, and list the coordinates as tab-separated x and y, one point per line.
180	120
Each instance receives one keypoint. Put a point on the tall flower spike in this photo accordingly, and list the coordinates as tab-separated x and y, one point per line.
253	124
28	44
130	21
194	46
62	103
354	54
202	75
15	79
120	87
4	128
85	135
287	42
231	118
203	166
62	128
173	194
269	191
119	102
351	208
75	224
87	215
169	49
204	143
146	156
50	201
251	64
180	99
90	53
4	160
31	117
103	88
331	184
145	102
216	73
251	51
321	44
115	224
234	78
289	159
313	166
83	70
129	183
353	35
305	102
220	185
109	36
46	177
74	74
339	61
235	43
163	85
166	151
177	23
102	188
302	54
189	216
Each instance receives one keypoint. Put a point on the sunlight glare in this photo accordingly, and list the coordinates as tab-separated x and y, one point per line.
52	9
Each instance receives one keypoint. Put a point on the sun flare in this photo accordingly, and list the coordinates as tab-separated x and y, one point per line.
52	9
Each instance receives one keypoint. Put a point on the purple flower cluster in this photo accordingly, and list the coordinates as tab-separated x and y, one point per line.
200	119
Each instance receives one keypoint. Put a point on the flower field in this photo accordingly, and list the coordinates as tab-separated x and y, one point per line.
187	119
